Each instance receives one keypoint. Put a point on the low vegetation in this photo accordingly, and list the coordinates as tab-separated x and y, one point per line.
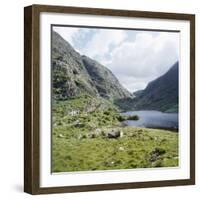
87	129
133	117
88	135
122	118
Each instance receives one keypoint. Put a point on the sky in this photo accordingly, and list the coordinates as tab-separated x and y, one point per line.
135	57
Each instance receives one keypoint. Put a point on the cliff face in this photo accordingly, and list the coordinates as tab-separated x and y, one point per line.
74	74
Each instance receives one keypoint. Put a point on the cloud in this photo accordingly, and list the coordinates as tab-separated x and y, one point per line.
144	59
133	84
100	44
68	33
135	57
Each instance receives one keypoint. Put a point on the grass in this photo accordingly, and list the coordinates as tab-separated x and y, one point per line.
80	141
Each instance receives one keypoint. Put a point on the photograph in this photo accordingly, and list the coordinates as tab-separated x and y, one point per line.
114	98
109	99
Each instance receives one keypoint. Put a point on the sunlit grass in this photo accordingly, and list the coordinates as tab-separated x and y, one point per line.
80	141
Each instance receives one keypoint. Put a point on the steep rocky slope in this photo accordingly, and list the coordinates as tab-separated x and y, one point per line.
73	74
160	94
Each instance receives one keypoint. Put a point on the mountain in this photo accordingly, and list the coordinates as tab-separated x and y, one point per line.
74	74
70	78
161	93
137	93
104	80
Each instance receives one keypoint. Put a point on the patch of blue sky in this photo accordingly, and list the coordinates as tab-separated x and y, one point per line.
81	38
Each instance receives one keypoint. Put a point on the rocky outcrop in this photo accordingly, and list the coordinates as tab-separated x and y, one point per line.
74	74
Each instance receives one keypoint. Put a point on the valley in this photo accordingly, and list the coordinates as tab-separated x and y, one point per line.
88	129
81	140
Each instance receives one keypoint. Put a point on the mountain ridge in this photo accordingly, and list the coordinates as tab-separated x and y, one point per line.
161	93
75	74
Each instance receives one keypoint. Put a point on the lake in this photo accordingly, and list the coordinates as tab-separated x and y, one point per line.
153	119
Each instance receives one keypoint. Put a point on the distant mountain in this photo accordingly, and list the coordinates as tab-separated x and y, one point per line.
160	94
74	74
137	93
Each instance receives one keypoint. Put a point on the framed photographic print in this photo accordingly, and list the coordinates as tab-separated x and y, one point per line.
109	99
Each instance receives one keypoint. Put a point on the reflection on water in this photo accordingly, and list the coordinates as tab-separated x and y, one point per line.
153	119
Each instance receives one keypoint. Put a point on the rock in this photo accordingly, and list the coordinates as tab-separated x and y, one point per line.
61	136
78	124
75	74
156	153
79	136
74	112
121	148
154	157
113	134
112	162
121	134
98	131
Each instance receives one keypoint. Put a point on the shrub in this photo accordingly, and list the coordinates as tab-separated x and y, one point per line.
159	150
106	112
133	117
121	118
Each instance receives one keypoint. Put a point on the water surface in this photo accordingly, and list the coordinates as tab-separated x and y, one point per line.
153	119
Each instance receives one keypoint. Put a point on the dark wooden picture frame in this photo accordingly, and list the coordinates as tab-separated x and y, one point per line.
32	96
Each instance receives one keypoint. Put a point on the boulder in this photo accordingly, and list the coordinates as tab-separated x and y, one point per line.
114	133
98	131
78	124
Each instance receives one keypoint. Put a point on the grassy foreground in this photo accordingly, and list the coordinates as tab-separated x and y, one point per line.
81	143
